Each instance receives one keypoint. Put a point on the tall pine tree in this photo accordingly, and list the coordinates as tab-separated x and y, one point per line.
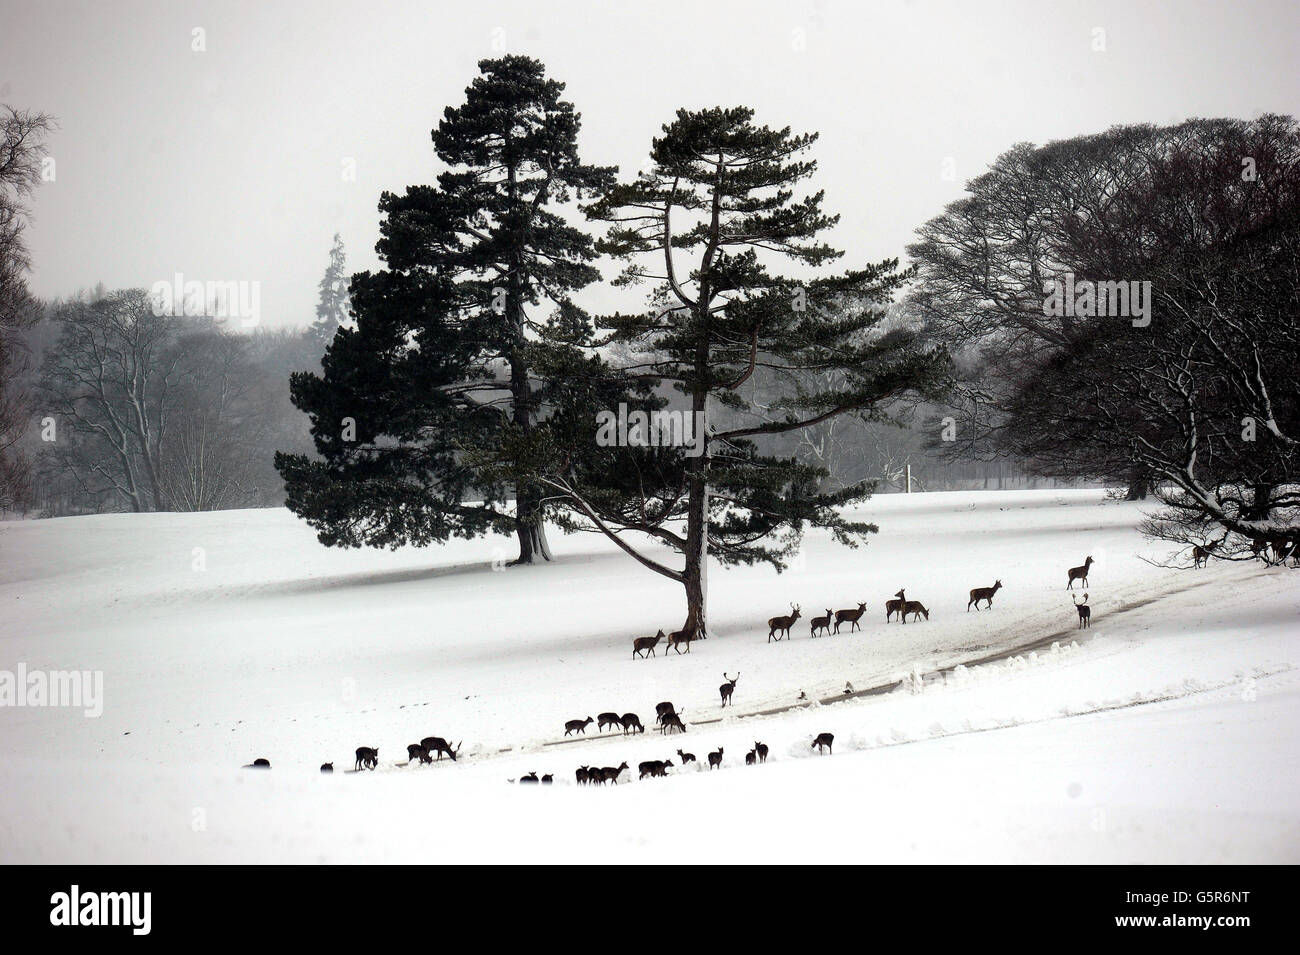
705	225
437	373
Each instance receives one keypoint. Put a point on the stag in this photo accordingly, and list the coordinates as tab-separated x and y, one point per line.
436	744
728	688
851	617
1085	612
782	623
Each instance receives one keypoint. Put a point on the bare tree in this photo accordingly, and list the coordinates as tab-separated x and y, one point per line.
22	151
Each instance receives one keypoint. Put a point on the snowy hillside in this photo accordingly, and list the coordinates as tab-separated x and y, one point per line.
1167	733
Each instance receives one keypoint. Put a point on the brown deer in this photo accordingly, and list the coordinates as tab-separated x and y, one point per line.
415	752
529	777
686	757
822	623
751	758
436	744
608	719
1079	573
715	759
327	767
850	616
367	758
578	726
824	739
672	721
610	773
1085	612
916	608
678	637
896	605
761	750
581	774
782	623
631	723
1201	553
985	594
728	688
548	779
641	644
663	709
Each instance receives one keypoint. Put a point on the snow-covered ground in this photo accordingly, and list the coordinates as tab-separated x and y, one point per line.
1169	732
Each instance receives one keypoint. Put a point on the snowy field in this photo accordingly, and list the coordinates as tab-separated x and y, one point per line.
1168	732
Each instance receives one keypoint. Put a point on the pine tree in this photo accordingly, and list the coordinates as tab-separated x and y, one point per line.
437	375
722	191
332	304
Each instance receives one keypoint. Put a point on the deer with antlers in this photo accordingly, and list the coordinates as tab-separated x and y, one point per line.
1079	573
782	623
641	644
985	594
436	744
850	617
728	688
896	605
822	623
1085	612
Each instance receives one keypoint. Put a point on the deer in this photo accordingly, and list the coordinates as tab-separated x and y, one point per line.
641	644
672	721
761	750
850	616
327	768
528	778
608	719
728	688
1085	612
916	608
686	757
678	637
1079	573
416	752
548	779
610	773
751	758
654	767
1201	553
715	759
578	726
896	605
985	594
782	623
1282	549
367	758
824	739
436	744
663	709
581	774
631	722
822	623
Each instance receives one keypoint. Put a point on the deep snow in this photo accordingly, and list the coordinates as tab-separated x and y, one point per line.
1166	733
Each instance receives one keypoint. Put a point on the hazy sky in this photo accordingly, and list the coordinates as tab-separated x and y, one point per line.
227	164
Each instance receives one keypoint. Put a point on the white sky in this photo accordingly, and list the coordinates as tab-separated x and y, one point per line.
226	164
